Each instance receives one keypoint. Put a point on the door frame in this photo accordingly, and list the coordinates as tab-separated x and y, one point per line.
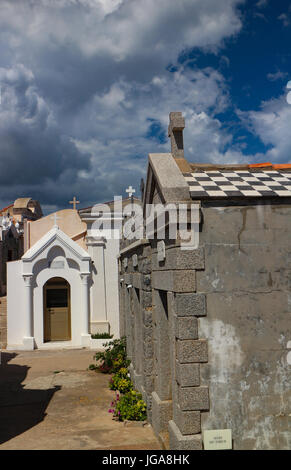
45	288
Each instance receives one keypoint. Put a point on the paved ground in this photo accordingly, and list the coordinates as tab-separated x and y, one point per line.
48	400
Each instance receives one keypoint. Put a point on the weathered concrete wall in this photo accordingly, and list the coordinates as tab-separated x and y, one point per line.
247	281
208	329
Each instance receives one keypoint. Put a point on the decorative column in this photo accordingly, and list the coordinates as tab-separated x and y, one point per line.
98	320
85	309
28	339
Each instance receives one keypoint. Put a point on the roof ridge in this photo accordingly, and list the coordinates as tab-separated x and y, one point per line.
237	167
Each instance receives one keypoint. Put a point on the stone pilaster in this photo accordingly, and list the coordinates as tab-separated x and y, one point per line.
85	332
190	398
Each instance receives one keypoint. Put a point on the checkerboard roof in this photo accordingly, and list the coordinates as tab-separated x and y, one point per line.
238	183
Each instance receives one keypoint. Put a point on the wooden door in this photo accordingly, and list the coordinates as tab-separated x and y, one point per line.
57	314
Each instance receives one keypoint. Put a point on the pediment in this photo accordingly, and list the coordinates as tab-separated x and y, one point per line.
55	237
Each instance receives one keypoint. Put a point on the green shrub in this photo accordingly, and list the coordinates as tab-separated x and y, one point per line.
113	358
121	381
102	336
129	406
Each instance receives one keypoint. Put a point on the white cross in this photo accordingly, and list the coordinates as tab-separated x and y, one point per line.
55	218
130	191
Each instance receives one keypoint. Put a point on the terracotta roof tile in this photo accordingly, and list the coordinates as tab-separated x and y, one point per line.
6	208
286	166
261	165
236	167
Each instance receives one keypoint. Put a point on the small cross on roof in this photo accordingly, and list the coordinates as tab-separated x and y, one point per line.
130	191
74	202
55	218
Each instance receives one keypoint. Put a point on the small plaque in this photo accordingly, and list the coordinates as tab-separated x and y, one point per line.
218	439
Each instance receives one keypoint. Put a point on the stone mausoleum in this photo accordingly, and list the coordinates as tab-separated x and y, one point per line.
209	329
64	288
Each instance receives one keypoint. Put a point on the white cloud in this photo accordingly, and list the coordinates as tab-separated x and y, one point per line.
285	19
19	99
124	145
279	75
125	28
261	3
272	125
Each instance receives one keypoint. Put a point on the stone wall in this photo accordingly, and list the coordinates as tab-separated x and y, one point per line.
136	317
208	329
159	315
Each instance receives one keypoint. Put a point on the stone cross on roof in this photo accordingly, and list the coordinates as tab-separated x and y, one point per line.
175	132
74	202
55	218
130	191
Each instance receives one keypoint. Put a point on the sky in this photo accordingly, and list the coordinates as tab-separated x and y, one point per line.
87	87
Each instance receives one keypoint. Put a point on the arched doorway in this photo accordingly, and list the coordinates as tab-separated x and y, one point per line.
57	310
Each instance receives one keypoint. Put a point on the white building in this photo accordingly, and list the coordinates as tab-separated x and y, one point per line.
65	286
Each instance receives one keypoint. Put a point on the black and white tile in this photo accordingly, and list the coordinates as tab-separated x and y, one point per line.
239	184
